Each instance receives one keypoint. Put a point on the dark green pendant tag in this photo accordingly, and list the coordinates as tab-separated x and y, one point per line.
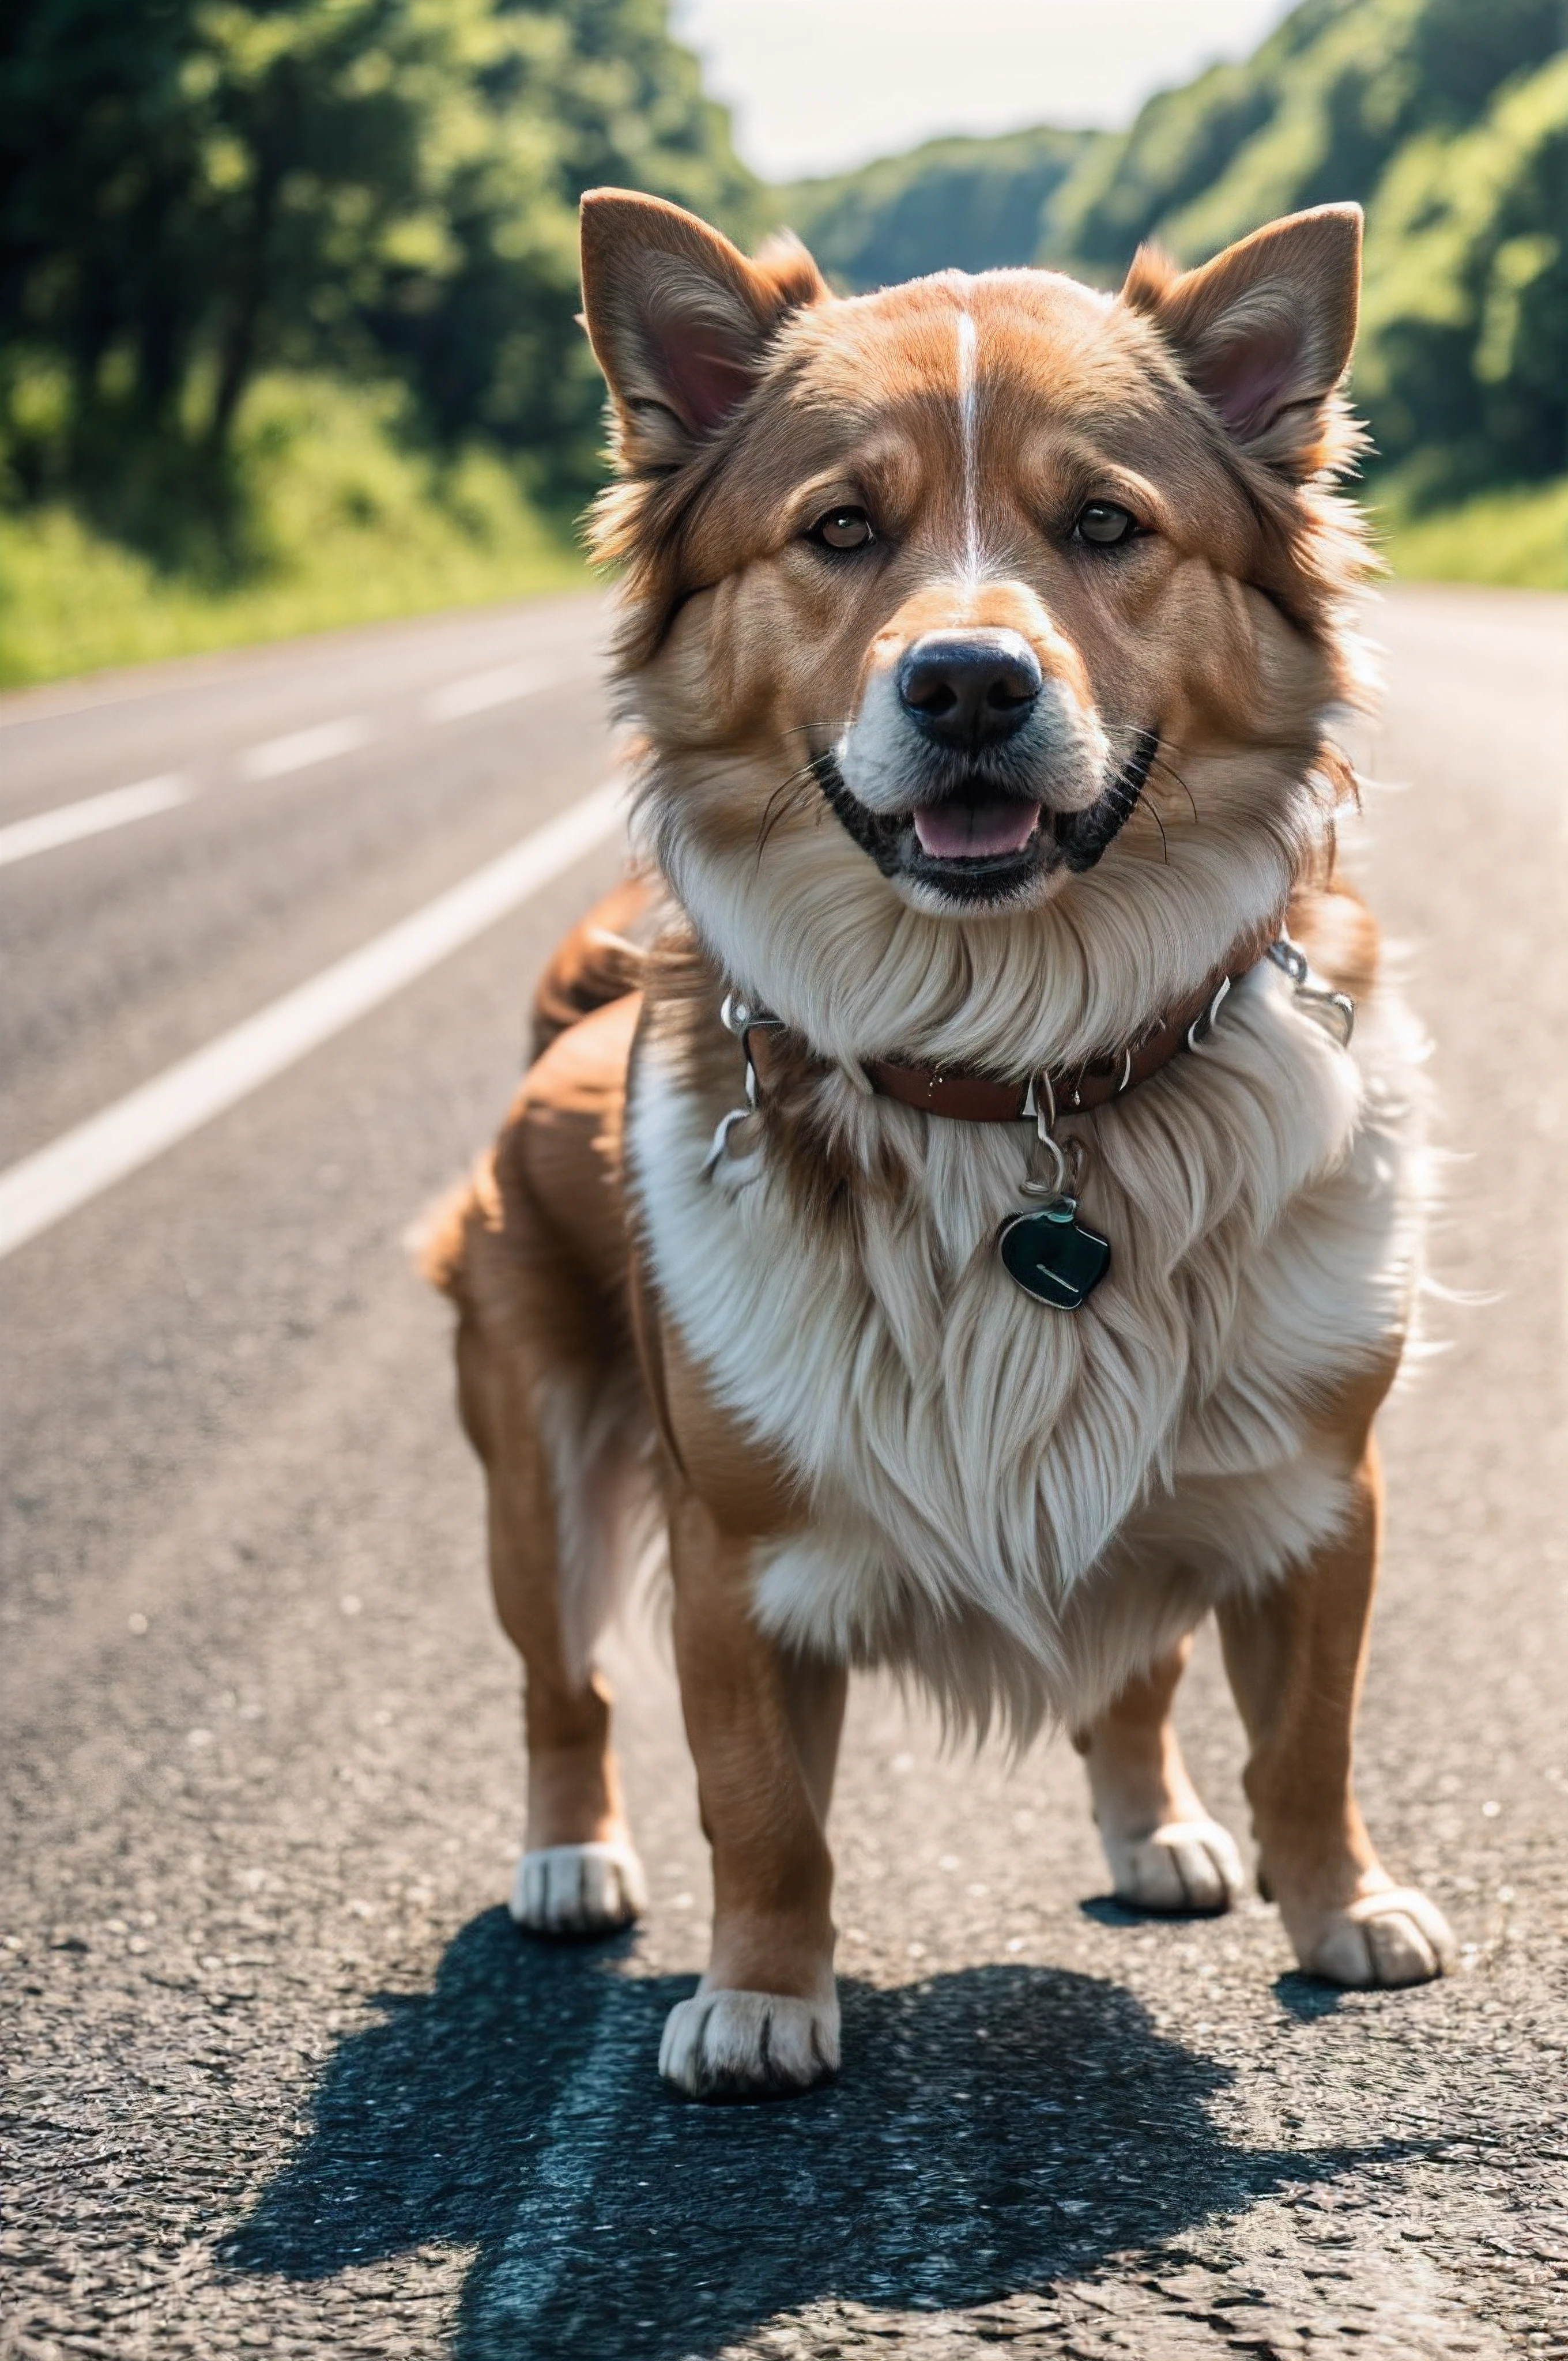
1051	1255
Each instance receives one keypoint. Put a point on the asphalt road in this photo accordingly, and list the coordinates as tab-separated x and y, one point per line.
280	2074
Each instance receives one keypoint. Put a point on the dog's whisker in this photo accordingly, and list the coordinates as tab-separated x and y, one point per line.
786	797
1163	762
1146	806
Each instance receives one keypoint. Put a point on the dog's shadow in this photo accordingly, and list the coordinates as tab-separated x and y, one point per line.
995	2130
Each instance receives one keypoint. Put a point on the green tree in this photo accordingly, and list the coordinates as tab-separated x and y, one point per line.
1446	119
562	99
1313	117
1464	341
1449	123
195	189
962	205
185	183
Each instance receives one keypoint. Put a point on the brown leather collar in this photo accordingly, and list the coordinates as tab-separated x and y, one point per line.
963	1095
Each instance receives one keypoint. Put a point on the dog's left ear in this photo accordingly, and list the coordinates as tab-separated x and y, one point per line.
1265	330
679	320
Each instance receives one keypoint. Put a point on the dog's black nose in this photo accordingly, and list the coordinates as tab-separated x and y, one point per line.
969	689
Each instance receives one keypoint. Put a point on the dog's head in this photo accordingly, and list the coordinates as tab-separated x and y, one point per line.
977	620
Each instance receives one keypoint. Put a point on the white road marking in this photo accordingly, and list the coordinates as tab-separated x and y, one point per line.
21	838
43	1188
273	759
301	748
483	689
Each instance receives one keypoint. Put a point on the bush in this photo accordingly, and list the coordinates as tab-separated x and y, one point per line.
345	522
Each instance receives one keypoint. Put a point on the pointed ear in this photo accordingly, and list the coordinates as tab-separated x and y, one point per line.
678	319
1265	330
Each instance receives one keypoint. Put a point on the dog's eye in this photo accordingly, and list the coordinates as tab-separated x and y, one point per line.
1105	525
842	529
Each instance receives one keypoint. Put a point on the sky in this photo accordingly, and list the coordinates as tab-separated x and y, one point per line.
818	85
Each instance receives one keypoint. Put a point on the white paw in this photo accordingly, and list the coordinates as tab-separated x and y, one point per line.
583	1889
748	2045
1396	1936
1186	1865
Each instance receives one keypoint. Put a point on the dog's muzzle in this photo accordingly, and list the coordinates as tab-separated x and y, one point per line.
981	843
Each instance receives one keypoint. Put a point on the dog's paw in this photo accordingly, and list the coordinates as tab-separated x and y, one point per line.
1187	1865
748	2045
582	1889
1393	1937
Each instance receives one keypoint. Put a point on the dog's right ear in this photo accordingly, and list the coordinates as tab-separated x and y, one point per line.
679	320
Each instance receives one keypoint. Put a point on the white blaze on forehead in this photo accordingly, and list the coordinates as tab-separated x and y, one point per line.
967	443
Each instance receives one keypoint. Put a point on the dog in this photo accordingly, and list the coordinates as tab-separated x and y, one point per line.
948	1199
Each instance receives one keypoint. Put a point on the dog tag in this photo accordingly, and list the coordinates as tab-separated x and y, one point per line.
1052	1256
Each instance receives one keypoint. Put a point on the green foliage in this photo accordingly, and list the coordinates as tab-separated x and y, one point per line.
219	217
1518	537
1314	115
1465	351
566	98
1450	123
1447	119
192	191
964	205
345	525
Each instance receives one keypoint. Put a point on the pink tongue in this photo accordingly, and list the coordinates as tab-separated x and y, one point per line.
959	831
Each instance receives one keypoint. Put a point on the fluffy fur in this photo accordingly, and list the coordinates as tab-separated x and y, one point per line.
985	1482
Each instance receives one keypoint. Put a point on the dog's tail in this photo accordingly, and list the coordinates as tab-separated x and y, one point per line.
438	1239
601	960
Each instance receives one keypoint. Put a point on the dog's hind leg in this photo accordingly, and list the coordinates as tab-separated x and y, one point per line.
1295	1655
534	1256
578	1873
1165	1853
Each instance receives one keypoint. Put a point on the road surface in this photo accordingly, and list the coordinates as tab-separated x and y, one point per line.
280	2076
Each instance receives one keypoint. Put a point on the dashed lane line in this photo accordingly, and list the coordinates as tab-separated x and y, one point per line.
276	756
273	759
455	700
20	839
43	1188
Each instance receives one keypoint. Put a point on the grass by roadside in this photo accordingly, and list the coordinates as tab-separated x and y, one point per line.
1518	538
343	526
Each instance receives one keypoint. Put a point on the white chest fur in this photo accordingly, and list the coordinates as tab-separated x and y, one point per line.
974	1456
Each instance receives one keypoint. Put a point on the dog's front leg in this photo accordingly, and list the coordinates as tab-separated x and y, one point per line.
1164	1850
763	1726
1295	1656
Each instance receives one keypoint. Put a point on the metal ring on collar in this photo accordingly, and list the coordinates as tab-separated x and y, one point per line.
1208	1018
727	1124
1055	1186
1331	1006
738	1017
1044	1120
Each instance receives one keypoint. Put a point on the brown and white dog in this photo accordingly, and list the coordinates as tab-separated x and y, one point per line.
982	635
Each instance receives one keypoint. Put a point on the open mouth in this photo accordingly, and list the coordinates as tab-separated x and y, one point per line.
978	845
959	829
